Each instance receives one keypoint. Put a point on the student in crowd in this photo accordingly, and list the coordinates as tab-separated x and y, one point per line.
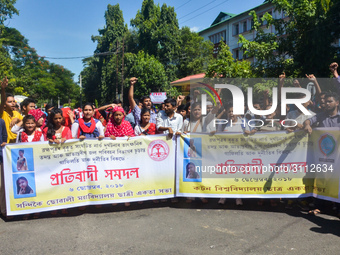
7	112
187	109
55	131
197	123
39	117
103	113
145	127
3	141
328	118
68	117
30	132
236	123
146	102
48	108
118	126
299	117
181	110
168	121
271	122
87	127
27	105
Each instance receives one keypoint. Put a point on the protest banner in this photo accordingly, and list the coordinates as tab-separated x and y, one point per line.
41	177
264	165
157	97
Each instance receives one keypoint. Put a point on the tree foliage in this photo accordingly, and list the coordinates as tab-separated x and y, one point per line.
225	66
156	50
30	74
303	42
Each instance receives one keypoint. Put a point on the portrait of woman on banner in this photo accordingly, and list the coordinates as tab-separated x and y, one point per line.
23	187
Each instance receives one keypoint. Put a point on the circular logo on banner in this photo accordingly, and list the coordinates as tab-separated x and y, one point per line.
327	144
158	150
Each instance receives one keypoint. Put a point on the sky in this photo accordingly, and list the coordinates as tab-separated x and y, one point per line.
63	28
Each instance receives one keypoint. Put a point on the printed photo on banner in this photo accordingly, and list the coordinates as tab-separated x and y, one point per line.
192	148
24	185
192	170
22	160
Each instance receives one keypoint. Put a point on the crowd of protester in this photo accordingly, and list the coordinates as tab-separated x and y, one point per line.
26	123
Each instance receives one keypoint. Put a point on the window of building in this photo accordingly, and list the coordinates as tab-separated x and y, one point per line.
216	38
245	27
236	54
236	29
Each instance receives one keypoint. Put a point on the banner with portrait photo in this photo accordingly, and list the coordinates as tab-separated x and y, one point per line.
264	165
42	177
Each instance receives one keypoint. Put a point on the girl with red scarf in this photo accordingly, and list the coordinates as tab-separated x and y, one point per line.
55	131
39	117
118	126
145	127
30	132
87	127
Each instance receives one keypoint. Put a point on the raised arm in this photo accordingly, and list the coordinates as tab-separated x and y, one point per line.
312	78
180	100
334	69
132	102
4	85
106	106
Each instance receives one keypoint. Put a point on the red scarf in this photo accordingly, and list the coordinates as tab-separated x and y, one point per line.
84	128
37	114
36	137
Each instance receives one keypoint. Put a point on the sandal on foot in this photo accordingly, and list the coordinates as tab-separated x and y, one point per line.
314	212
221	201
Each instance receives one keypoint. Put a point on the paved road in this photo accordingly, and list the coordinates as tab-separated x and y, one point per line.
181	228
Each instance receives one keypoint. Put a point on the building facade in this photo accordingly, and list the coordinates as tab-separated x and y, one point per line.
229	26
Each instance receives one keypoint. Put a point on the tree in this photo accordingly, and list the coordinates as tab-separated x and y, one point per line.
194	54
303	42
150	72
145	23
108	64
158	34
7	10
225	66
